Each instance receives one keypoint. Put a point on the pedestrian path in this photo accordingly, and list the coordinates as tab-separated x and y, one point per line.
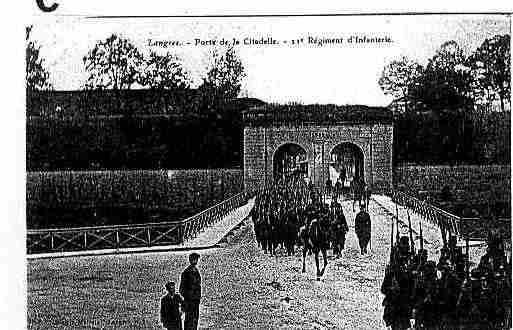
431	233
212	235
208	238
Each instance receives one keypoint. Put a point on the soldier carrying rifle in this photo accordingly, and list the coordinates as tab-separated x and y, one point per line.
396	287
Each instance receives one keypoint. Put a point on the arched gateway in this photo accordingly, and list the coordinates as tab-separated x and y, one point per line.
317	142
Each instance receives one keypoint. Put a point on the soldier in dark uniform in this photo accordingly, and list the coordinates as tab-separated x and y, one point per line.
291	231
449	286
403	251
274	235
303	236
455	252
502	299
170	304
467	308
426	308
485	304
342	177
367	195
363	228
190	289
397	290
494	257
256	216
338	189
339	228
329	186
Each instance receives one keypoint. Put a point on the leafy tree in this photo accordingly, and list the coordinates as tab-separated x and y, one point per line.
491	69
223	80
164	72
446	81
114	63
398	78
38	78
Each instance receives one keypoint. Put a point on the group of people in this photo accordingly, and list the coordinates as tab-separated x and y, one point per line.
185	301
424	294
359	190
291	213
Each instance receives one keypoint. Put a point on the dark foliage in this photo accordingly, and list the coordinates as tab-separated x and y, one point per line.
452	138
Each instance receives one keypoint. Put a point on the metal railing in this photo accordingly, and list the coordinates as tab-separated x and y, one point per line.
129	236
473	228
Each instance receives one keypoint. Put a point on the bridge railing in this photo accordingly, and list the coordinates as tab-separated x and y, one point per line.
129	236
473	228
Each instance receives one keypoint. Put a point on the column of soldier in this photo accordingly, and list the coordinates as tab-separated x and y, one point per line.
424	294
283	208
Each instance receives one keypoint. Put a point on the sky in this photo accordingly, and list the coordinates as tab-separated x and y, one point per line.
345	73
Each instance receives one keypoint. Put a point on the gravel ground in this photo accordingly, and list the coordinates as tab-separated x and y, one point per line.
242	287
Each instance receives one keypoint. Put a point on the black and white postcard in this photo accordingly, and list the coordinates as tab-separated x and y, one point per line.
265	171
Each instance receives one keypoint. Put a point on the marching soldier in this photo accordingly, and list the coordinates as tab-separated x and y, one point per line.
338	189
339	228
329	186
455	252
494	257
449	285
426	308
397	291
403	251
367	195
363	228
291	230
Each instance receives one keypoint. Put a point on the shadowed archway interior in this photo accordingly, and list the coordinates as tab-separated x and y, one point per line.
290	162
346	163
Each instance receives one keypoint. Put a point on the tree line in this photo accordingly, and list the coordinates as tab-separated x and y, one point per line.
456	108
116	65
453	110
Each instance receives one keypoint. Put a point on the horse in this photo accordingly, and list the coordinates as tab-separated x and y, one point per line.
314	237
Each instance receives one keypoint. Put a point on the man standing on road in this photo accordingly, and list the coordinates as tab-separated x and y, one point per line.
362	227
190	289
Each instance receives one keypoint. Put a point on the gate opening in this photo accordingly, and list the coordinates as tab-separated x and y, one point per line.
346	164
290	163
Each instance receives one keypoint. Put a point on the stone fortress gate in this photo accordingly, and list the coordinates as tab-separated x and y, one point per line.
317	142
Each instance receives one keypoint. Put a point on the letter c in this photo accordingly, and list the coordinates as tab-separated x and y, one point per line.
43	7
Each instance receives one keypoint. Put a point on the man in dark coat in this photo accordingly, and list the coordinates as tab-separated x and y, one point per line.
396	287
362	227
329	186
190	289
338	189
170	314
339	228
425	296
